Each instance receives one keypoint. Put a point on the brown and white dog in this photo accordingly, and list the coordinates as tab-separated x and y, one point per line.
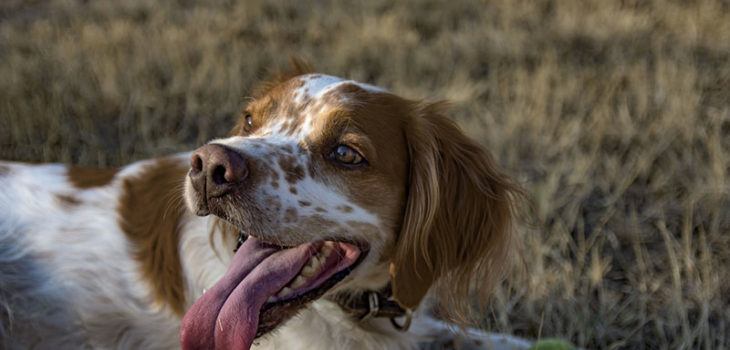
351	203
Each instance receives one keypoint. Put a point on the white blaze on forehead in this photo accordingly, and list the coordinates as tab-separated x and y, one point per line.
316	85
261	147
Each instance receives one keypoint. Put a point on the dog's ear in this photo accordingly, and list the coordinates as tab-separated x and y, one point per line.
297	66
456	231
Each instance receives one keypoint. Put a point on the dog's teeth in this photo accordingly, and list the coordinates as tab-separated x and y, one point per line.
308	271
313	265
298	282
326	250
284	292
316	262
271	299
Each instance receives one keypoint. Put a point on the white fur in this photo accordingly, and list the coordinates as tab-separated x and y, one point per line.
84	251
316	85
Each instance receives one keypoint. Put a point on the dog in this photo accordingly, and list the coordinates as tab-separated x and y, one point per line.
335	215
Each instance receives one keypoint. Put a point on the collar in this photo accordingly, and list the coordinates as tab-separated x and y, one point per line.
367	305
374	304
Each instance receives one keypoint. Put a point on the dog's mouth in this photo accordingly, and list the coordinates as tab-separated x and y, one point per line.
264	286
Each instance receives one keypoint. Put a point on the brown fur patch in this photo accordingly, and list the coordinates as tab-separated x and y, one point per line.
290	215
273	204
264	92
456	233
292	169
297	66
84	177
67	200
373	126
150	212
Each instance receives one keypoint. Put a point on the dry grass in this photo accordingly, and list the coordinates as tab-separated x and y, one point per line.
614	114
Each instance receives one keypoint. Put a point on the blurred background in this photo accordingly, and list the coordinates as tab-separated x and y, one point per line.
614	115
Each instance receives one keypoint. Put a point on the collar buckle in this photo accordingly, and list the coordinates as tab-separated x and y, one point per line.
373	306
375	310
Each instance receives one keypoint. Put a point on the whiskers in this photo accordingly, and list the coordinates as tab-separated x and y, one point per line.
174	200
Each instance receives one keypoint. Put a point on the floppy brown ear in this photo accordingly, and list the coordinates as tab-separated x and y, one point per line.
297	66
456	231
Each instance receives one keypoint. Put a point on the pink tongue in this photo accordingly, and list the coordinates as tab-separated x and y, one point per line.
227	315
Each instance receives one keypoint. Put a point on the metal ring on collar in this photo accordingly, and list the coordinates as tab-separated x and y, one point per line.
406	323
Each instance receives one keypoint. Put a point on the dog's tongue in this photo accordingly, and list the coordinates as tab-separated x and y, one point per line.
227	315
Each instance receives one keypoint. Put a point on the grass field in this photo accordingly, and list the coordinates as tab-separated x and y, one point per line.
615	115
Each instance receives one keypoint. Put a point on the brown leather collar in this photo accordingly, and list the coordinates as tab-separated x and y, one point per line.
374	304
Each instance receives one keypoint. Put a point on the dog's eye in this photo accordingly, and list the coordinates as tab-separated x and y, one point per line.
346	155
248	119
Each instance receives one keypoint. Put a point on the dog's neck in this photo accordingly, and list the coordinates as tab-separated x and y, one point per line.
367	304
325	325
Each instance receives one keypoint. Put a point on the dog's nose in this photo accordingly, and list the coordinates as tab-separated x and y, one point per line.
216	169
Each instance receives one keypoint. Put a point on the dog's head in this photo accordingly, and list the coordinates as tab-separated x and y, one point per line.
343	186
